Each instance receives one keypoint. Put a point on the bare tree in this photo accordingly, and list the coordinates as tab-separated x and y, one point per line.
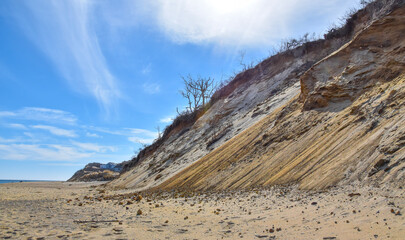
159	133
292	43
245	66
205	86
191	93
197	91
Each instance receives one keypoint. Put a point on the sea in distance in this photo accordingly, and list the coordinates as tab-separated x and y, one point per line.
14	181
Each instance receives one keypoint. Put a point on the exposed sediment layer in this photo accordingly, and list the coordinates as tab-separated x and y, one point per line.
348	124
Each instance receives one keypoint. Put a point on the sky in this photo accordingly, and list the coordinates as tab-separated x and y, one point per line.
92	81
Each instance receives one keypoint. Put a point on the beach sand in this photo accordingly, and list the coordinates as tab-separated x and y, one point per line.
63	210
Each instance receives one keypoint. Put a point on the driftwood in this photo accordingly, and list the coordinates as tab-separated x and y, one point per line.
95	221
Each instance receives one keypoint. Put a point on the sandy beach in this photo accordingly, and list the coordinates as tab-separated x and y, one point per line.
62	210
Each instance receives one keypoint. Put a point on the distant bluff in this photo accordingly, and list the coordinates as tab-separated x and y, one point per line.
97	172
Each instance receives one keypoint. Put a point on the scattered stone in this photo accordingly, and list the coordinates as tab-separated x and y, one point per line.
181	230
139	212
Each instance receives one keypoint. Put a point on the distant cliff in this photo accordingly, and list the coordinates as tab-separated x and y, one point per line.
97	172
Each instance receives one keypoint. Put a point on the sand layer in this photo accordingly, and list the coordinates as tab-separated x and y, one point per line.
59	210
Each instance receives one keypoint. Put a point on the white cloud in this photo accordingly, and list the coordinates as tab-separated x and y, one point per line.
135	135
142	136
57	131
151	88
40	152
226	21
4	140
143	132
41	114
88	134
64	30
6	114
240	22
17	126
140	140
93	147
30	135
166	119
105	130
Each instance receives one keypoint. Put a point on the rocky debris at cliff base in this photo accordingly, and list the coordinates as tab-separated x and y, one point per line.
42	210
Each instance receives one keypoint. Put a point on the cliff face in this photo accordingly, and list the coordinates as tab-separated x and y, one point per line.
348	124
247	100
326	113
97	172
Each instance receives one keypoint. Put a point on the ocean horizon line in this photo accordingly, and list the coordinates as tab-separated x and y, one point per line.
26	180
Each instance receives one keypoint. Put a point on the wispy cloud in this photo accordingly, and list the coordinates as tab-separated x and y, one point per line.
93	147
105	130
142	136
151	88
140	140
57	131
16	126
88	134
166	119
4	140
41	114
7	114
144	132
49	152
135	135
64	31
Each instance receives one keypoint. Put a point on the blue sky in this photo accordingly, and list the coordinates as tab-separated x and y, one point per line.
89	81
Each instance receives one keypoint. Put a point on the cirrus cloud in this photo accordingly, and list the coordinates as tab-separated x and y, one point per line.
41	114
64	31
57	131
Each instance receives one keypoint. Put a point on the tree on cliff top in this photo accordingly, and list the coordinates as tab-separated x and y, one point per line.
197	91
